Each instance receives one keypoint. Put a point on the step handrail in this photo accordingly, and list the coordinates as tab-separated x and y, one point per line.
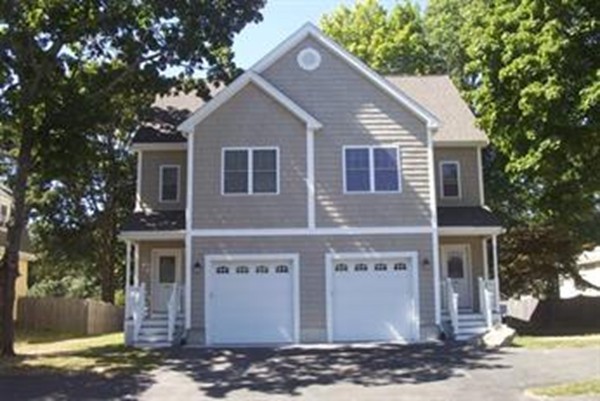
138	304
452	305
485	302
172	309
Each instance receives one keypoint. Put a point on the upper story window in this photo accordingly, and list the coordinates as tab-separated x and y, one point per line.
169	183
250	171
372	169
450	179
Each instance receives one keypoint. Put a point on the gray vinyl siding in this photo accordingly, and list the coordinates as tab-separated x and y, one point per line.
251	118
150	191
469	175
355	112
312	251
476	257
145	255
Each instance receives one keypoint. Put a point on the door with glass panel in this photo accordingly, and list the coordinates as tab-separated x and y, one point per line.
456	267
166	272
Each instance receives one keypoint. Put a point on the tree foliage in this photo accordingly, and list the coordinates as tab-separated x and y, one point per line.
68	67
390	41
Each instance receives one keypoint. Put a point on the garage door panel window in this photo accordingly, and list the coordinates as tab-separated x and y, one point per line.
282	269
242	270
361	267
222	270
250	171
372	169
262	269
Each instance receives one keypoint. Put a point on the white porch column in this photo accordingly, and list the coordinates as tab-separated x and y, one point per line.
486	265
127	278
496	275
136	265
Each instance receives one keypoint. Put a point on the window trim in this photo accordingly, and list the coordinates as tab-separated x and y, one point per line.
250	150
458	179
162	167
371	149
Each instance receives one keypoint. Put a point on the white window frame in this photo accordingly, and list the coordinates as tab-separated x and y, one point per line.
250	150
160	183
458	179
371	149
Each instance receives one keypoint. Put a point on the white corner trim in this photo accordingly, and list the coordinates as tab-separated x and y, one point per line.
309	29
161	169
310	177
209	259
331	257
435	251
237	85
291	232
470	230
458	178
158	146
480	176
189	213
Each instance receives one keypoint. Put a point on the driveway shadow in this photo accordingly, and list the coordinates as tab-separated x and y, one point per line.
287	370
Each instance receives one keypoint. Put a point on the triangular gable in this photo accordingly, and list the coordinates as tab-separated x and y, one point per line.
311	30
187	127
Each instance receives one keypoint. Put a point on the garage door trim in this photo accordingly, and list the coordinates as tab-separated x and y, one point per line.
212	258
331	258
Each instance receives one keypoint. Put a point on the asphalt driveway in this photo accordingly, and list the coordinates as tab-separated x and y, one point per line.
386	372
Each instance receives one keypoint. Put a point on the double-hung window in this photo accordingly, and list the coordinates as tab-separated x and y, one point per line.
372	169
450	179
250	171
169	183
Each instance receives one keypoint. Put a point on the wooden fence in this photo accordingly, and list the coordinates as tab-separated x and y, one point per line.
81	316
579	315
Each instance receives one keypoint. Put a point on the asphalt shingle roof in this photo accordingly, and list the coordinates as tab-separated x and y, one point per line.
471	216
163	220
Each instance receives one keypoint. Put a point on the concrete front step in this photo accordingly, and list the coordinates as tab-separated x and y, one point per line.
470	324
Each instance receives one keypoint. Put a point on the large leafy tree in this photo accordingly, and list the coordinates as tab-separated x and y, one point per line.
537	95
66	67
390	41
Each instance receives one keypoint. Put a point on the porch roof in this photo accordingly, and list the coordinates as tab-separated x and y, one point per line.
466	216
157	220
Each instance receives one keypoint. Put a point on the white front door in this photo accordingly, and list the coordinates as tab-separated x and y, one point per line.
166	271
251	299
457	267
373	299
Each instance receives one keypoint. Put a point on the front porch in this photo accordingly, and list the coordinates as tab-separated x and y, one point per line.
154	293
470	294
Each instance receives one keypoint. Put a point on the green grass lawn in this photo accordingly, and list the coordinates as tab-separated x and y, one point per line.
586	387
548	342
40	352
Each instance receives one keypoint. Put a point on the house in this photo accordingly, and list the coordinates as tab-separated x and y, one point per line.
589	268
25	256
311	200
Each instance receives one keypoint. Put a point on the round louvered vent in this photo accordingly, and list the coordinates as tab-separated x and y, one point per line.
309	59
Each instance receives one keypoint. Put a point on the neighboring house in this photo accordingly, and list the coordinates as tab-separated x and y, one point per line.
589	269
311	200
25	256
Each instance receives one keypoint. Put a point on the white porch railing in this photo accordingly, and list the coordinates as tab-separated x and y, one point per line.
173	310
452	304
137	300
485	301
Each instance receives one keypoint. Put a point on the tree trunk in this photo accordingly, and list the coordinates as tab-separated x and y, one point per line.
10	262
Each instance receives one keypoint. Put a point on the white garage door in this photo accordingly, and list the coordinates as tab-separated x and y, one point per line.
373	299
251	301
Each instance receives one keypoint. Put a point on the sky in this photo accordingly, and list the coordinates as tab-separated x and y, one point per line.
281	18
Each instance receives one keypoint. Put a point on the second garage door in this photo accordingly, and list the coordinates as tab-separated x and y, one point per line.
251	300
373	299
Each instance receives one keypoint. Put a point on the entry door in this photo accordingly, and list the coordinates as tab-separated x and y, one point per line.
166	273
458	269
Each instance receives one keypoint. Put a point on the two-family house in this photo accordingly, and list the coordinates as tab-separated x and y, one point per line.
312	200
